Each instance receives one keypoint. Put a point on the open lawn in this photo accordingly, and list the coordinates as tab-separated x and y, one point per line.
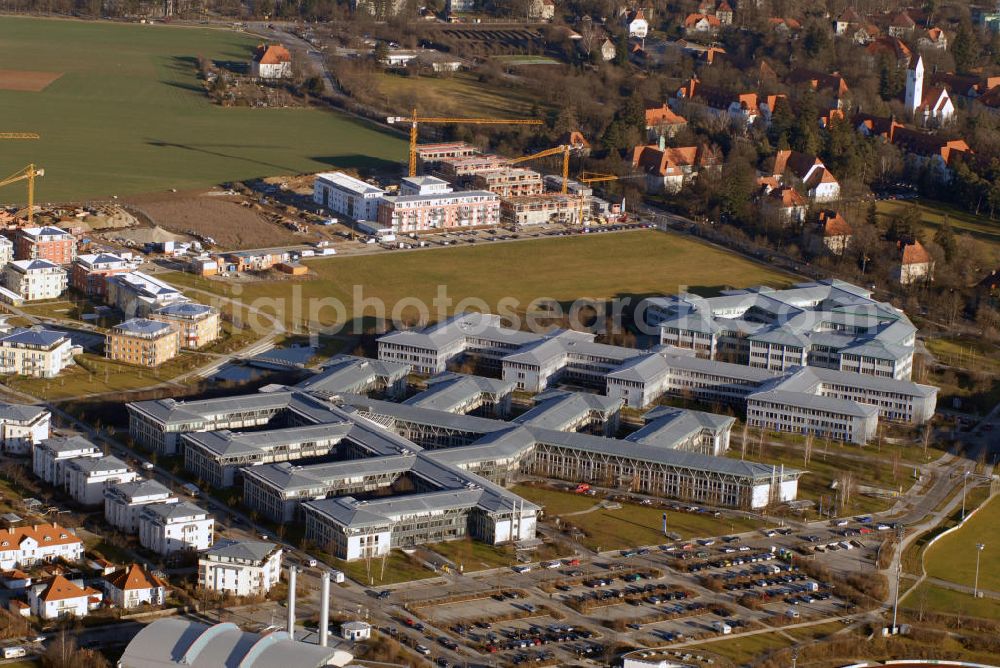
953	557
933	215
94	374
128	114
398	568
627	264
966	353
473	555
742	650
930	598
629	526
459	95
828	464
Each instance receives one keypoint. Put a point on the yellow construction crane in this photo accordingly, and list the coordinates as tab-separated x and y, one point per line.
564	149
596	177
26	174
19	135
415	120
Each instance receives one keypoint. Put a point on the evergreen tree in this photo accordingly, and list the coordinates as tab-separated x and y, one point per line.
945	238
965	49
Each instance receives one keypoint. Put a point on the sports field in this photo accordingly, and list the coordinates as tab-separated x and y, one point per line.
628	264
124	113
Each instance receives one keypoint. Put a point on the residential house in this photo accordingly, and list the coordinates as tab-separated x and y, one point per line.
23	547
542	10
608	50
36	352
866	34
783	205
914	264
61	597
670	169
35	279
141	342
22	426
124	501
829	234
724	12
441	211
637	24
50	456
934	39
240	567
847	20
930	151
167	528
6	250
135	586
701	24
786	27
272	61
87	477
809	170
45	243
883	127
663	122
832	84
741	108
901	25
891	48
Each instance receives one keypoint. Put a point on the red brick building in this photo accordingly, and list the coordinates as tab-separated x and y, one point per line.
45	243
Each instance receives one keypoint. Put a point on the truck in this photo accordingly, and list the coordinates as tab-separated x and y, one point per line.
337	576
191	489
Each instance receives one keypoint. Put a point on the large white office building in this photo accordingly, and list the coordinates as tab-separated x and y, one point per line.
829	324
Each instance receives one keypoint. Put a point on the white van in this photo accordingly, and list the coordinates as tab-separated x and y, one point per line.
337	576
14	652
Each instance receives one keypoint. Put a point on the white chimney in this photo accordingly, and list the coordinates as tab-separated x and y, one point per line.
291	601
324	610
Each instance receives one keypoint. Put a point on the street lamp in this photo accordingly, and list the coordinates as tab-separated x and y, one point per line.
965	480
979	551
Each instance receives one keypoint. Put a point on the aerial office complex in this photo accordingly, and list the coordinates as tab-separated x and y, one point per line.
829	324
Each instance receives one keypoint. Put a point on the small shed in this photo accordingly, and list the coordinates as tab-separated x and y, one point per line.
293	268
355	631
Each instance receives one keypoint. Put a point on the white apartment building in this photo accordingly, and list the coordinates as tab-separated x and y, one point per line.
138	294
166	528
86	477
6	250
347	196
23	547
35	279
124	501
36	352
134	586
50	457
240	567
23	426
61	597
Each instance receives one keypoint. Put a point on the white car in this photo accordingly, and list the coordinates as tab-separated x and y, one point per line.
522	569
551	564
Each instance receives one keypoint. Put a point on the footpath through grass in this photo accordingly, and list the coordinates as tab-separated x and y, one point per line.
128	114
601	266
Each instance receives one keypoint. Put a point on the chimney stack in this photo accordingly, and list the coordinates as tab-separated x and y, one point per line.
324	610
291	601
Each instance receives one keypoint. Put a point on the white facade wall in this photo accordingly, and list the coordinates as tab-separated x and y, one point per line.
123	513
133	598
18	438
87	487
195	532
50	465
347	196
34	284
35	362
239	579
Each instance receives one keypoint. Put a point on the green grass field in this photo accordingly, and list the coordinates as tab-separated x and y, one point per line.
933	213
94	374
629	526
398	568
473	555
632	264
953	558
460	95
128	115
930	598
